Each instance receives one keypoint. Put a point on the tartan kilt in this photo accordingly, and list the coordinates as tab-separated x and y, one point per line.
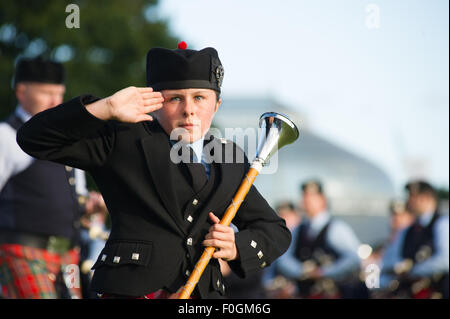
33	273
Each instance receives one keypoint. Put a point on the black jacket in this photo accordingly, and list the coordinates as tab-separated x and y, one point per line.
153	242
40	199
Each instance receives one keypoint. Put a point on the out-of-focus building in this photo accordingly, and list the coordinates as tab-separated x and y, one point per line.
358	191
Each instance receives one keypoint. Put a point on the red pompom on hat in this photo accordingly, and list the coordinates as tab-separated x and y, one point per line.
182	45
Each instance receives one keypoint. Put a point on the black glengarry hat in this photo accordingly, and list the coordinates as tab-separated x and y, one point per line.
420	187
38	70
183	68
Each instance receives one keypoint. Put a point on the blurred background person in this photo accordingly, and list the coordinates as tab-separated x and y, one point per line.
290	214
418	262
400	217
276	285
93	235
322	258
268	283
40	202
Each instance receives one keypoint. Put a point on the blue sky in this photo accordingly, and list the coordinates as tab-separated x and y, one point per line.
380	92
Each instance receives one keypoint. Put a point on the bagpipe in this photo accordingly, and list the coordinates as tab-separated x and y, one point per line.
404	286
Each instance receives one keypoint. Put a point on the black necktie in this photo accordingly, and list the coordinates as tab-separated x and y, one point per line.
197	170
309	231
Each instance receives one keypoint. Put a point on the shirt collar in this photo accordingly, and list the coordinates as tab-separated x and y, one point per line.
22	114
197	146
320	220
425	218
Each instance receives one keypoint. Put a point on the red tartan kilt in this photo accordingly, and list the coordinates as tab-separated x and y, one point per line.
30	273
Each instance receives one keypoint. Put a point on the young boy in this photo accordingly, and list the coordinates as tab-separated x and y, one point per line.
163	211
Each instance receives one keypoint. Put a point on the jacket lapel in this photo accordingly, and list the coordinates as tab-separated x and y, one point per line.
156	149
230	178
164	172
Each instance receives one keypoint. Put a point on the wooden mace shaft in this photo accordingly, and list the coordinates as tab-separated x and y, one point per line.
236	202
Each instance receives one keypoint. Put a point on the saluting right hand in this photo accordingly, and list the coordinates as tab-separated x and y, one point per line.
129	105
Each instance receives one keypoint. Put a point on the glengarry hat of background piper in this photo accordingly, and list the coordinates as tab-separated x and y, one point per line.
38	70
420	187
184	68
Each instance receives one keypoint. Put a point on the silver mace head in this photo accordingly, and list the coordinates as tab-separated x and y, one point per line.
277	130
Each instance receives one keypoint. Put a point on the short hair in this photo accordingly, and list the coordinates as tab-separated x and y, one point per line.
313	185
285	205
397	206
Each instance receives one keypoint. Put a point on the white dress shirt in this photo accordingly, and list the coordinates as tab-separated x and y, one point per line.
13	160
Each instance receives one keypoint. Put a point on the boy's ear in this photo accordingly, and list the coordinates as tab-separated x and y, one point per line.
218	104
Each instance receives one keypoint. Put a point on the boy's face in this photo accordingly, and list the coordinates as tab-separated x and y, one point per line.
189	109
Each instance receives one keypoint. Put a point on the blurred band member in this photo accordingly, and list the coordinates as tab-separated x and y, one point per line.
40	202
417	266
277	286
401	217
323	255
289	213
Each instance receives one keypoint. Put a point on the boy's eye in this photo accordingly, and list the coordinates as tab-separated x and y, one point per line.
198	97
175	98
